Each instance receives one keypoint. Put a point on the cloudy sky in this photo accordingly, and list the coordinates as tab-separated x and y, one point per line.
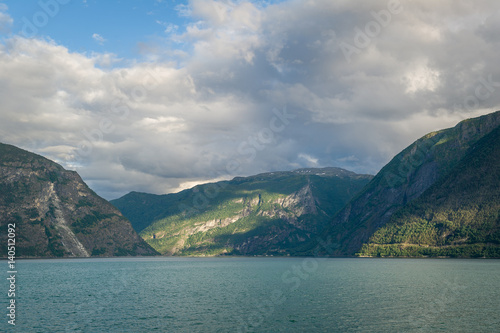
157	96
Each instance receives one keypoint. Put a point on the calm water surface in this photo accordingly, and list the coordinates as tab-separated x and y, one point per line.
255	295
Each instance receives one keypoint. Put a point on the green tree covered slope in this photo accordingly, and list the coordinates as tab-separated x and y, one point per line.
404	179
270	213
457	216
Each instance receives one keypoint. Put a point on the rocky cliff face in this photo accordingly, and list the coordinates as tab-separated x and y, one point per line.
286	209
56	214
272	213
403	180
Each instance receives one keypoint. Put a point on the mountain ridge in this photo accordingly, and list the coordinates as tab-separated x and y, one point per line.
459	215
403	180
437	197
56	214
265	213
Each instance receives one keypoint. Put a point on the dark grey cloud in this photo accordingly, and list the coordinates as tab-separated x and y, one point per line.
254	88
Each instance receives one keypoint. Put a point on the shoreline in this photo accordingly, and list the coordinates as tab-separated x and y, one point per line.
242	256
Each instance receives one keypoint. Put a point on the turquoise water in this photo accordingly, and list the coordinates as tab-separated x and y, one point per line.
255	295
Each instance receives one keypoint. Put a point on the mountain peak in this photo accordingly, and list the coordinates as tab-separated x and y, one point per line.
56	214
404	179
271	212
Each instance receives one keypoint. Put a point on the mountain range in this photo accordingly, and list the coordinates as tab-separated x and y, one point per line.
55	214
270	213
458	216
439	197
436	194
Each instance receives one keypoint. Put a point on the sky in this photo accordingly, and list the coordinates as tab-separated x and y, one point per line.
158	96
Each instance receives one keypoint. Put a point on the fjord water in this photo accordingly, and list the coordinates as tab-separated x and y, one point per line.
257	295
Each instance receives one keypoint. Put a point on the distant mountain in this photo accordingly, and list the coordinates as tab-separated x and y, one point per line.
270	213
439	159
458	216
56	214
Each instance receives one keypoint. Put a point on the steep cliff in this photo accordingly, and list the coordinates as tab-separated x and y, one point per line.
457	216
402	180
271	213
56	214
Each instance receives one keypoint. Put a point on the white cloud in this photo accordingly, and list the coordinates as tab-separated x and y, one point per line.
183	10
160	126
169	27
420	77
311	161
5	19
98	38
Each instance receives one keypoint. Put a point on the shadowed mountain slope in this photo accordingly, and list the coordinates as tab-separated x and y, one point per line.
405	178
270	213
457	216
56	214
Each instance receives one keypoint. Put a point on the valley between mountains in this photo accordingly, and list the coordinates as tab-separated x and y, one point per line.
439	197
271	213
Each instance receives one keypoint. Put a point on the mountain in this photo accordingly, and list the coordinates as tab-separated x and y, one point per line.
458	216
56	214
270	213
436	157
